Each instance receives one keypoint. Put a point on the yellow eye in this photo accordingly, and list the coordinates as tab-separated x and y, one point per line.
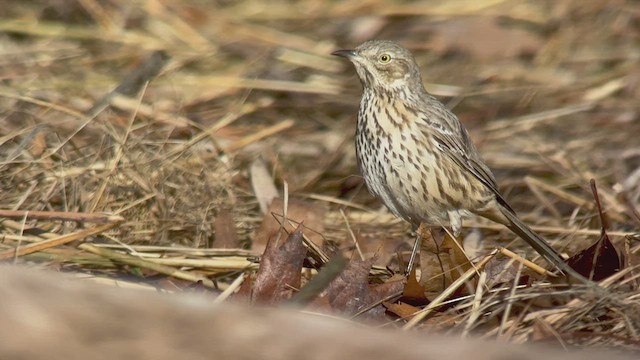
384	58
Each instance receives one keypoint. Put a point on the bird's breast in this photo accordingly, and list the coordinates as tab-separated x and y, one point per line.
395	160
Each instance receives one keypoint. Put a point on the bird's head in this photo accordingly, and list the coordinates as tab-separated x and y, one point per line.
384	65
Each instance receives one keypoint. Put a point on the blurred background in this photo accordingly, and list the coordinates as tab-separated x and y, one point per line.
243	98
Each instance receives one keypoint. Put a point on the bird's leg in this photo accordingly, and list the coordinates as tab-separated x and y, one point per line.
437	236
420	231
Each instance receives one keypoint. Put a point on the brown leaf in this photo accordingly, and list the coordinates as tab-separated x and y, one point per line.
280	268
403	310
388	288
225	230
600	260
414	293
298	211
500	270
441	261
350	291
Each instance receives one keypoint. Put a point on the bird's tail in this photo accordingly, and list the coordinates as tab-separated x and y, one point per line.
536	241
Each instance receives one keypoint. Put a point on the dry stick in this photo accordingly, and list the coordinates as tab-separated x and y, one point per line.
337	154
39	102
271	130
161	116
551	229
420	315
531	265
228	291
51	29
226	120
475	305
312	246
543	199
61	215
134	261
352	235
178	25
335	200
61	240
223	263
554	316
188	251
564	195
100	15
120	152
510	301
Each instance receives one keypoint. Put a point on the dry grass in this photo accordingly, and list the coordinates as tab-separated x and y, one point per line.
548	90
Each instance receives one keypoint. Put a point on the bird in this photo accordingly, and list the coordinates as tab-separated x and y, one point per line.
417	157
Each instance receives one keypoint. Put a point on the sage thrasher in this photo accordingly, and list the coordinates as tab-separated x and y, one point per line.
416	156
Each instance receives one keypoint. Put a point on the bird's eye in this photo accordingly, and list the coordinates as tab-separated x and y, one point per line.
384	58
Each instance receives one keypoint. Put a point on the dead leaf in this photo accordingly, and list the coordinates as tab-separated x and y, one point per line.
298	211
350	291
403	310
413	293
386	289
598	261
500	269
280	268
601	259
441	262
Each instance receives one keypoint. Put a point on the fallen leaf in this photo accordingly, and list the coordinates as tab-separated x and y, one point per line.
298	211
601	259
350	291
413	292
500	269
280	268
386	289
441	262
598	261
403	310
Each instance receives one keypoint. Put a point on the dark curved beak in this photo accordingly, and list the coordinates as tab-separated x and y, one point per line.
344	53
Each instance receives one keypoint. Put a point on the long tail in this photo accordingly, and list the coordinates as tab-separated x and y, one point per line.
537	242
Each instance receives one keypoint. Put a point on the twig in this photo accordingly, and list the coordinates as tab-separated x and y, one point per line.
420	315
134	261
531	265
61	240
61	215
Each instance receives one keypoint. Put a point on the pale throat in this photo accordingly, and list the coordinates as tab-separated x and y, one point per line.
400	82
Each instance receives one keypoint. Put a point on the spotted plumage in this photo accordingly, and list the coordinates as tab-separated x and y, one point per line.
416	156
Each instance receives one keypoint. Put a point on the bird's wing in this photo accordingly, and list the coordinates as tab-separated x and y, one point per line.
454	142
